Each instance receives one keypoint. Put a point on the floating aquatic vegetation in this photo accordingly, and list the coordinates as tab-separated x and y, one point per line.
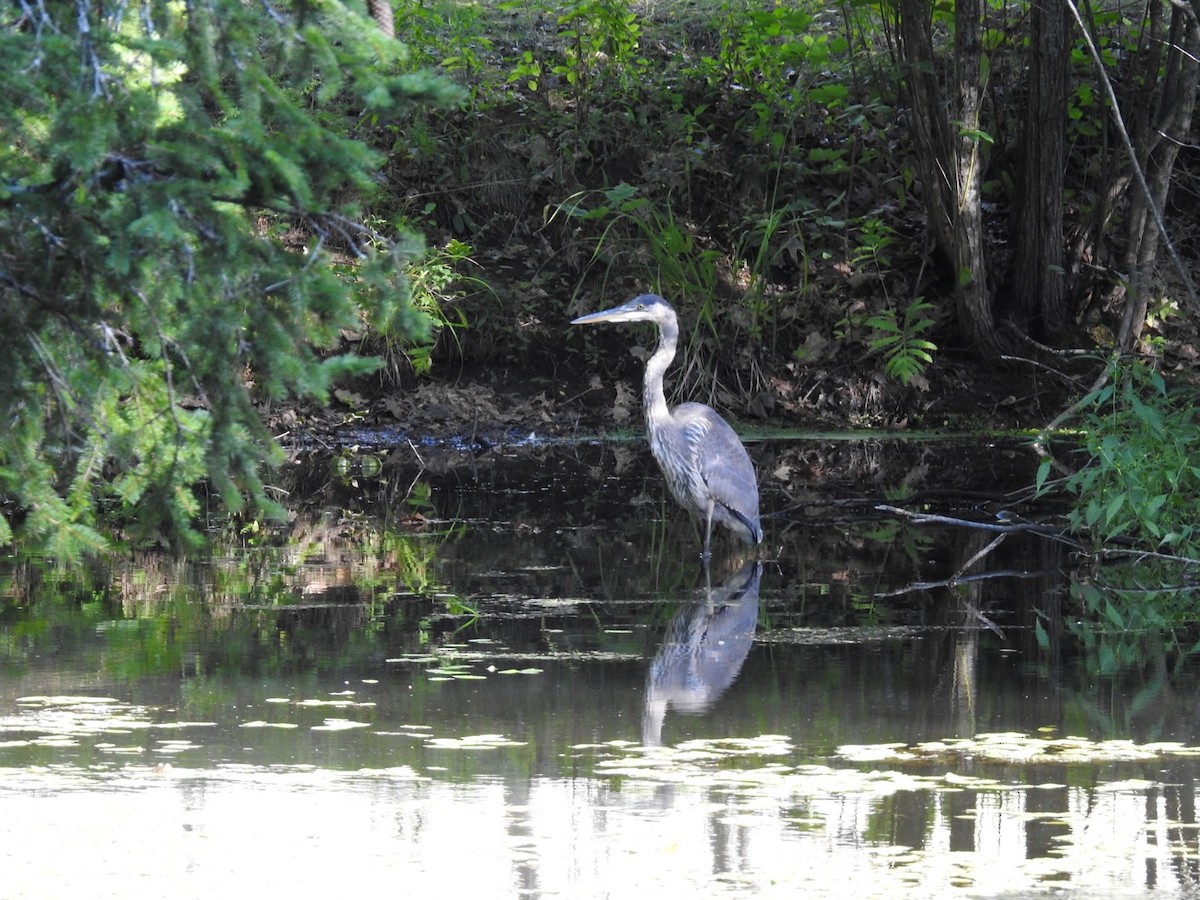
394	773
1015	747
720	763
701	759
606	744
418	658
408	731
337	704
473	742
113	748
846	635
64	700
972	781
1135	785
875	752
175	746
340	725
768	744
668	765
454	672
573	655
59	720
556	603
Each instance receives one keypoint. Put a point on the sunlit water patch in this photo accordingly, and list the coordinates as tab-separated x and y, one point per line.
680	819
721	816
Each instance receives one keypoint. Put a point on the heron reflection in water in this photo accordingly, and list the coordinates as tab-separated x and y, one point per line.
705	464
702	652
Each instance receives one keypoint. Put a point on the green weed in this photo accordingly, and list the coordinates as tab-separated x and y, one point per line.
636	229
905	353
436	280
1142	479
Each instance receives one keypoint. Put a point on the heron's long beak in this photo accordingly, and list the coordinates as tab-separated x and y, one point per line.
627	312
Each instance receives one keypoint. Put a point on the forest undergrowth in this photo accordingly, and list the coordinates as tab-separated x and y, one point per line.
751	163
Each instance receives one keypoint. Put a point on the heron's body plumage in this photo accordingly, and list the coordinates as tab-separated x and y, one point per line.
705	465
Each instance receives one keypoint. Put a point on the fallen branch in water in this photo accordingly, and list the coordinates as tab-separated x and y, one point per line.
1002	527
1138	555
956	580
959	579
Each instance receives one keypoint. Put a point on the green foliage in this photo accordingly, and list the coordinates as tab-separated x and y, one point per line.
640	235
600	35
738	127
1141	482
435	282
594	55
775	53
875	236
739	120
637	228
527	70
174	187
452	36
905	353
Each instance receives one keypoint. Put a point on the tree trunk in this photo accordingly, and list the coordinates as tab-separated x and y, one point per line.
381	12
972	297
929	123
947	156
1037	296
1157	138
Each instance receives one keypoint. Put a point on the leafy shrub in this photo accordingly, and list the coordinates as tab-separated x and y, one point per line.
1141	482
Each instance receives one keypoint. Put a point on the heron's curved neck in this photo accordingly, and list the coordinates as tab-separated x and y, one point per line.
654	400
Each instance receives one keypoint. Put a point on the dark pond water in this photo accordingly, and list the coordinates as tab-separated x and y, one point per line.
505	674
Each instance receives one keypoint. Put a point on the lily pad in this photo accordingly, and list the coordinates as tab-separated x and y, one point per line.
340	725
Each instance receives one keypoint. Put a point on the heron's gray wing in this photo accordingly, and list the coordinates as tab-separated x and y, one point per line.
724	465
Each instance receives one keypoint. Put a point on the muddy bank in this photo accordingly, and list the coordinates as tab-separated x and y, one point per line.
477	410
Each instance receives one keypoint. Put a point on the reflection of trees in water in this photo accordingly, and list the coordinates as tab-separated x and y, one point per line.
839	551
1088	840
878	468
566	521
562	545
702	651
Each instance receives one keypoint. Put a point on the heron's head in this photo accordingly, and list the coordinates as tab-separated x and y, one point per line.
643	308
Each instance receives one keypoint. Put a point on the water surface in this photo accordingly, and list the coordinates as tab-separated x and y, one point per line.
509	675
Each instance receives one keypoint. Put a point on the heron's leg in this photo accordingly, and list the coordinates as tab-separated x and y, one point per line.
707	554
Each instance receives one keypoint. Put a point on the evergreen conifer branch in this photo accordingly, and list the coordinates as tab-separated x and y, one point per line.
155	155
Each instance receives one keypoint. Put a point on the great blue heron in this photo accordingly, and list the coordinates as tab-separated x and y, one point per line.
706	466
